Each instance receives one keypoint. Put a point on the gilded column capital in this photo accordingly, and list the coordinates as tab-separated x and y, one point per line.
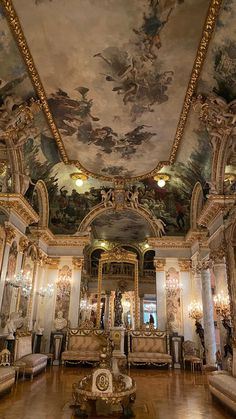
52	262
204	264
23	244
10	234
159	264
42	258
77	263
218	255
184	265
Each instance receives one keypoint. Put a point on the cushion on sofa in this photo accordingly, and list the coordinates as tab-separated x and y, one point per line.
224	383
32	360
80	355
148	344
84	343
6	373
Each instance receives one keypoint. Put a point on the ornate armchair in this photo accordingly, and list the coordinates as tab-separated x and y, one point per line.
191	354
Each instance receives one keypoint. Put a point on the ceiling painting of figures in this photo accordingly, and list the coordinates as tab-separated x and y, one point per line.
118	96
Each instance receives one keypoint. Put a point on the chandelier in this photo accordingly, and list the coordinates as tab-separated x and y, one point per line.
63	285
222	305
195	310
23	281
46	291
85	305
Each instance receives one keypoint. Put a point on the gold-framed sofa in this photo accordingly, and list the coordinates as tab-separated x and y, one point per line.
149	347
7	373
33	363
82	345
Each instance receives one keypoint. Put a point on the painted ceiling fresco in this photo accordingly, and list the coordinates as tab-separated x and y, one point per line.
122	226
115	73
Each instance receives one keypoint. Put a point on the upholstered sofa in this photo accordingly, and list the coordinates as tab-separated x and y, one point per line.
82	345
34	363
222	385
7	373
149	347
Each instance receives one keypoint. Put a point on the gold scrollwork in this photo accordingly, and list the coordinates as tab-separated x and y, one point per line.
102	382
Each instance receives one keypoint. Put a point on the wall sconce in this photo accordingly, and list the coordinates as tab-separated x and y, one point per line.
46	291
173	284
222	305
79	178
161	179
21	280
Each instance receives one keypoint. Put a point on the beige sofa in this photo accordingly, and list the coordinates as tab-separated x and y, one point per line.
149	347
223	386
7	373
82	345
34	363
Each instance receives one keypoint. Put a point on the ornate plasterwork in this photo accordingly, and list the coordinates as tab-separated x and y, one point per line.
78	263
215	205
184	265
10	233
18	204
218	255
168	242
159	264
199	60
52	262
23	244
203	265
59	241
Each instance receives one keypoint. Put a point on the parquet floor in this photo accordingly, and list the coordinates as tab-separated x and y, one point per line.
160	395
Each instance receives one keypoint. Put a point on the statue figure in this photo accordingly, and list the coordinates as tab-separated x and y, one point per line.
107	197
200	333
60	323
118	308
38	329
10	328
160	226
131	198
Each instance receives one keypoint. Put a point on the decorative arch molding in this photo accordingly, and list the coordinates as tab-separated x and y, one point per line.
197	202
219	162
101	208
42	193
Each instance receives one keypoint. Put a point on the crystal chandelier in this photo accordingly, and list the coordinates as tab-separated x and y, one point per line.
195	310
85	305
21	280
46	291
63	286
222	305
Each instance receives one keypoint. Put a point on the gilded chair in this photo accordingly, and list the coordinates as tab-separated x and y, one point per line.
191	354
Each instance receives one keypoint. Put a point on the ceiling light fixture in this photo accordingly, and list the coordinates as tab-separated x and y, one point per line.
79	178
161	179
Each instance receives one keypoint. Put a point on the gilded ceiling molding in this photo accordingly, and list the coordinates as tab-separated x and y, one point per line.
42	192
168	242
52	240
208	29
215	205
23	244
203	265
52	262
218	255
17	203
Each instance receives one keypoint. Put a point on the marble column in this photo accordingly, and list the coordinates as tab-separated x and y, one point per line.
208	313
185	280
50	303
10	235
16	292
160	293
107	310
141	296
75	292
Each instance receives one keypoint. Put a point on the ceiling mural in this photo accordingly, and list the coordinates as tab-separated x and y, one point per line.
121	226
126	65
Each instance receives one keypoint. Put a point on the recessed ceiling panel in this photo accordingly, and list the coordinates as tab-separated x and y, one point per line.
115	74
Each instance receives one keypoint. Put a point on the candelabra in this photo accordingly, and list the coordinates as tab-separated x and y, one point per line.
195	310
23	281
46	291
222	305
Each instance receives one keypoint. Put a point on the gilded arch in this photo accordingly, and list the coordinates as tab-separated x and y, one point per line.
42	193
197	202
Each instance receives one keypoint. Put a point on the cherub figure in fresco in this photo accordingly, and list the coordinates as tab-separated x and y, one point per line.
106	197
63	199
133	199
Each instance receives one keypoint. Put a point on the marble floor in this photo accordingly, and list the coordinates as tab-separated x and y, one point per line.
160	395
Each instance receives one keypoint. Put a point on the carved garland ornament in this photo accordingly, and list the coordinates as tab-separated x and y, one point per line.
14	23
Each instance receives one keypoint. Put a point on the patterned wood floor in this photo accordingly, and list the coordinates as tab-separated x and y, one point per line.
160	395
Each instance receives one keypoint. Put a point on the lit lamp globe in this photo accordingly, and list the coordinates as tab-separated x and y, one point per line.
161	183
79	182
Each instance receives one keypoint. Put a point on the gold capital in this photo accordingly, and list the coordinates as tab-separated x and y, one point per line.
78	263
159	264
184	265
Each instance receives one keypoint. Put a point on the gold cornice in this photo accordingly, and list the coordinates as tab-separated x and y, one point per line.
17	203
52	262
208	29
10	233
52	240
168	242
196	235
215	205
